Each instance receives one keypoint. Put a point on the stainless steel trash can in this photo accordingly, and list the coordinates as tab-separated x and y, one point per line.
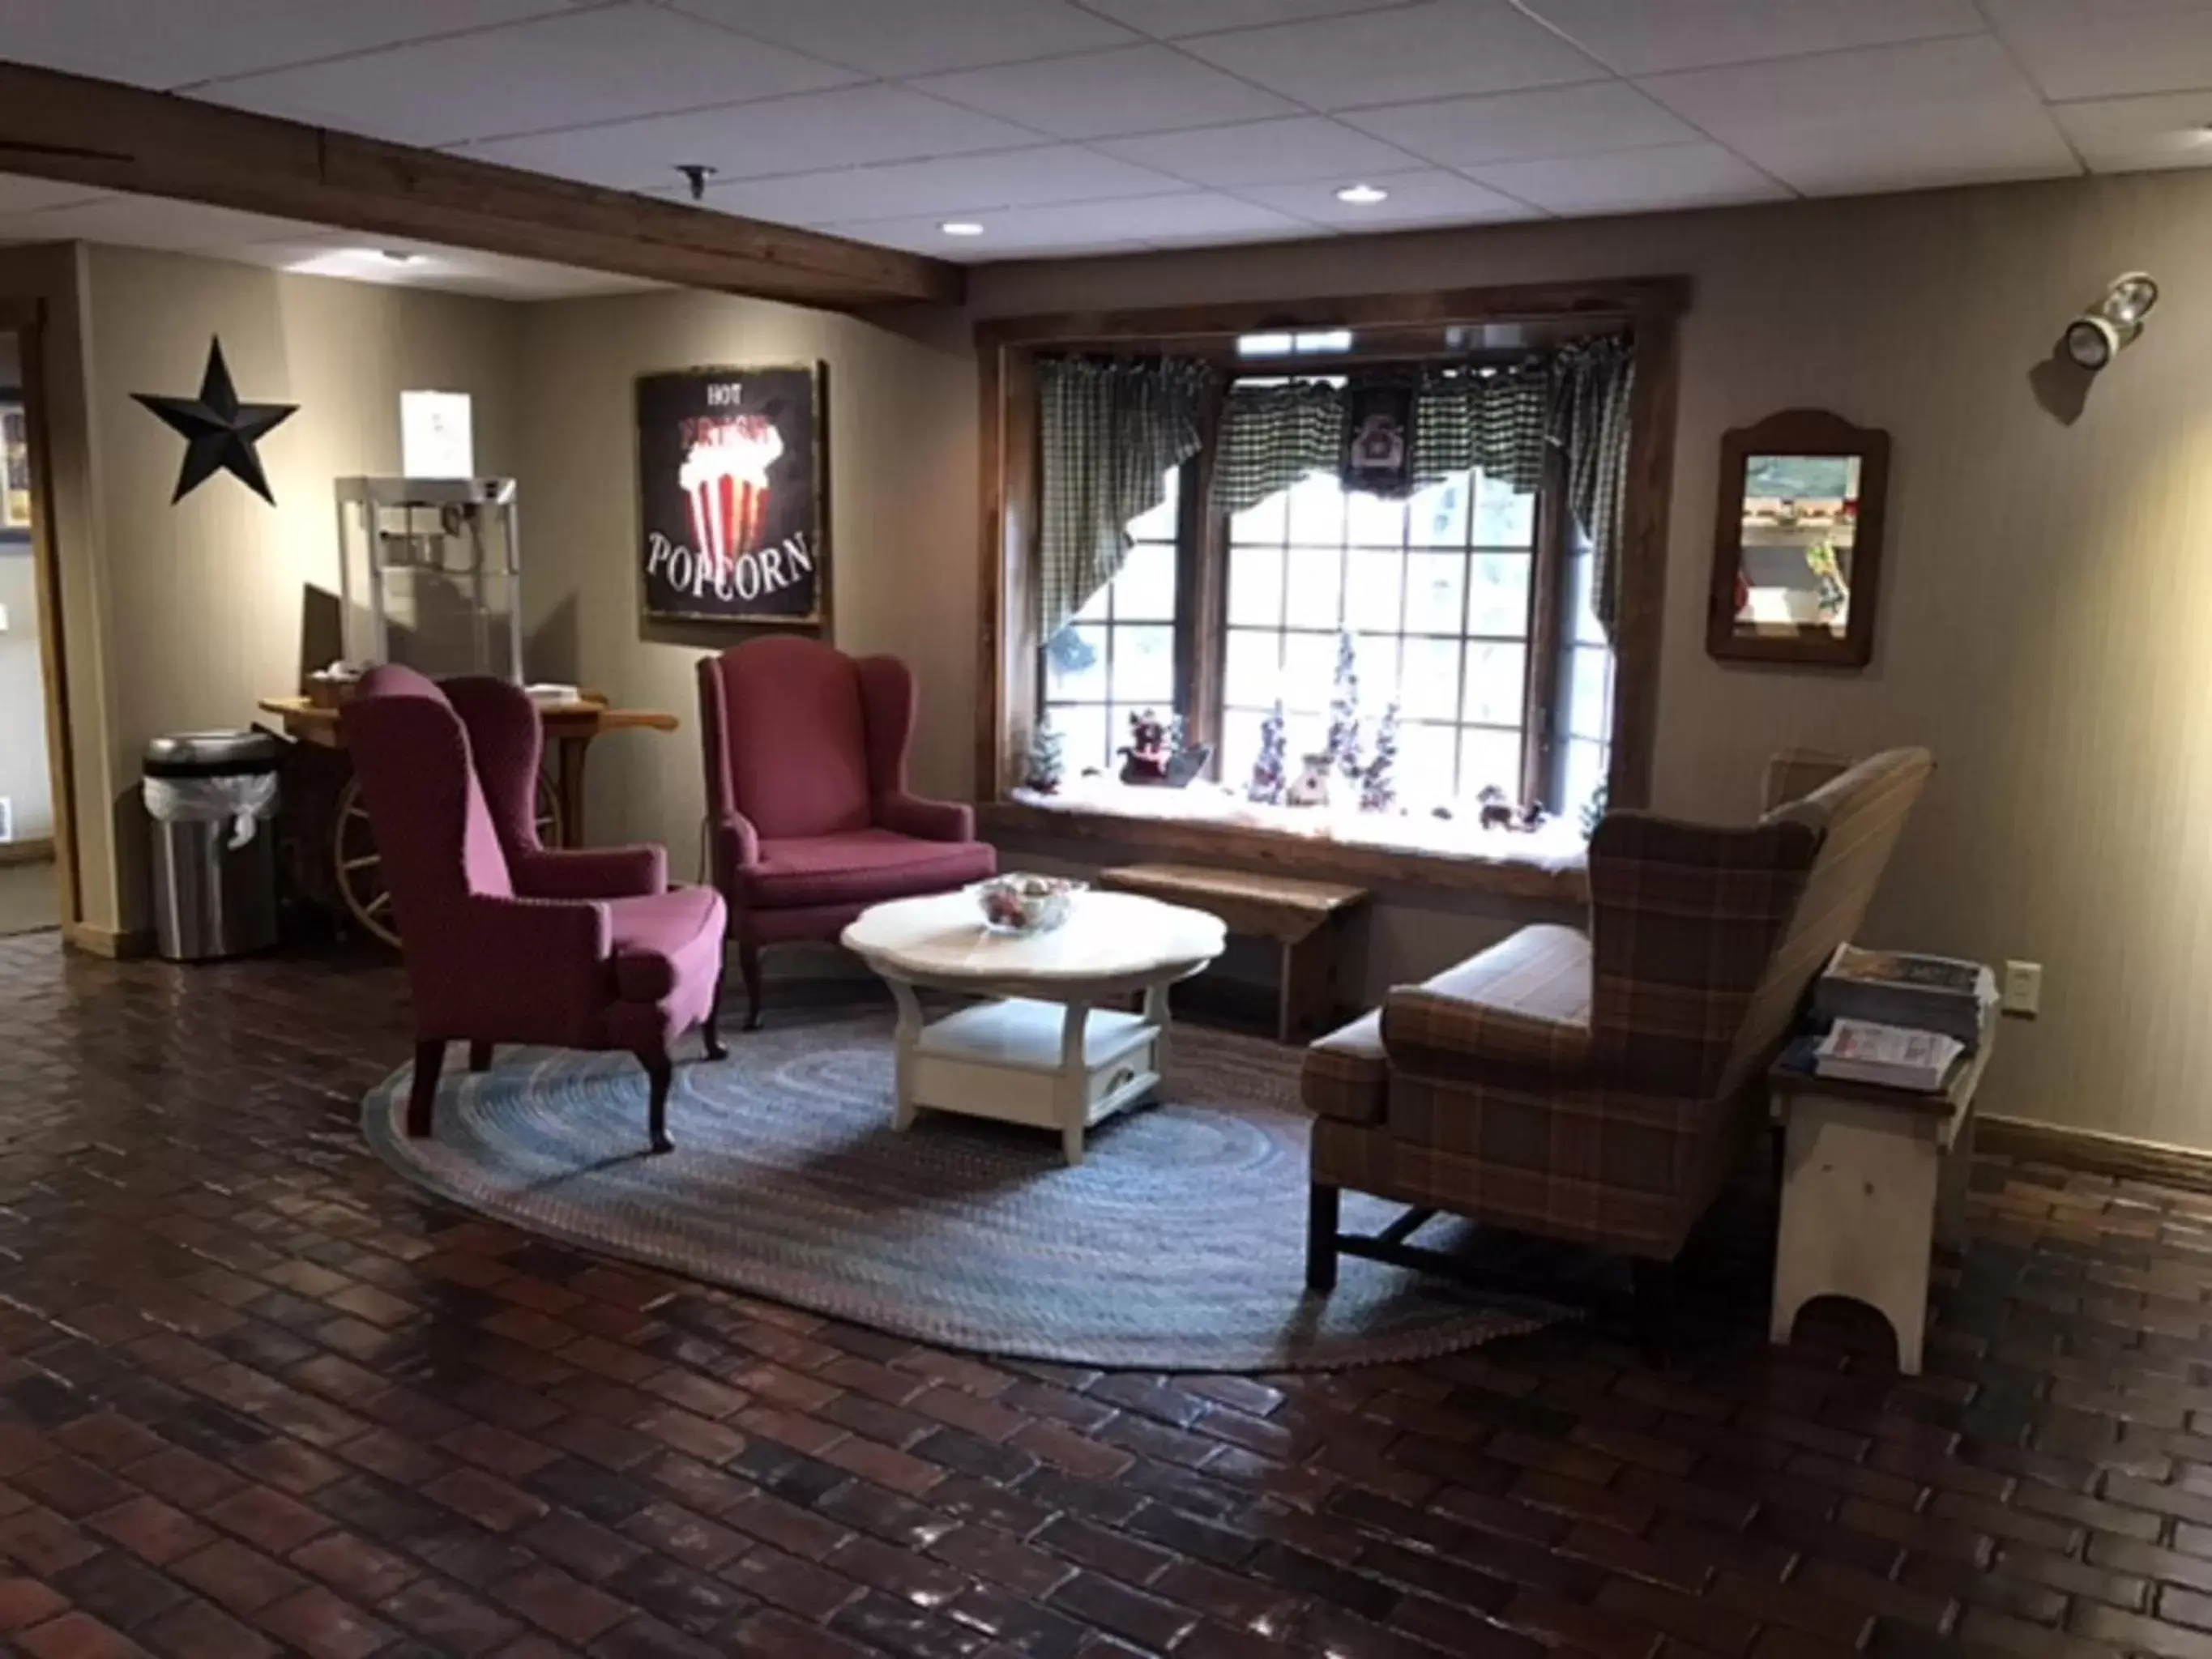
212	798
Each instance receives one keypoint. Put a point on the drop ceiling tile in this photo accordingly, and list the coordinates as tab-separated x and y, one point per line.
1544	125
849	126
1634	181
19	195
1883	118
1647	37
175	43
2120	135
552	72
2108	48
1300	147
1168	19
965	185
1429	196
917	37
1100	95
1440	49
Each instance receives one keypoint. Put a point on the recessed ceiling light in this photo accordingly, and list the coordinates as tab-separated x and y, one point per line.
961	228
1363	195
398	256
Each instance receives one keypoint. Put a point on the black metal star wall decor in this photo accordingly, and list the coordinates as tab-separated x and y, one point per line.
219	431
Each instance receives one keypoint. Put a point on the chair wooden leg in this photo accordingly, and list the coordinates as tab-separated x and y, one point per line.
480	1055
1321	1214
748	968
658	1073
423	1102
711	1029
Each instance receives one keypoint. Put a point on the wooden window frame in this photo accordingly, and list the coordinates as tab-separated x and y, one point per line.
1649	308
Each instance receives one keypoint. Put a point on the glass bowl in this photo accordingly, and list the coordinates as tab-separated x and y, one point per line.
1021	904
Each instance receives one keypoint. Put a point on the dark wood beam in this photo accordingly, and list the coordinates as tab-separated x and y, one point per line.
85	131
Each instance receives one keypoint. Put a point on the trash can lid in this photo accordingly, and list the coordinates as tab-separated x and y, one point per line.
211	754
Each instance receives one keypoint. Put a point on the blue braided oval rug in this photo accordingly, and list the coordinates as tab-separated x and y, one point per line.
1178	1244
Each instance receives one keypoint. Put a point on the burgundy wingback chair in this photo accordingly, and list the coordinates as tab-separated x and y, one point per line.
506	941
809	820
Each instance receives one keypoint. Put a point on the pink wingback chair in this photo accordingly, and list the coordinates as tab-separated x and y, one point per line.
506	940
809	818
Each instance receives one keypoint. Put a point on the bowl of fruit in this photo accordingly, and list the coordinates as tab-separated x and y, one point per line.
1023	904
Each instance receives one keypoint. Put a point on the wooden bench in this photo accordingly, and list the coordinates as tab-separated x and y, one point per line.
1307	919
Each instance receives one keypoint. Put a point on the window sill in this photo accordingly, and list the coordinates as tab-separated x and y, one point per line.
1547	865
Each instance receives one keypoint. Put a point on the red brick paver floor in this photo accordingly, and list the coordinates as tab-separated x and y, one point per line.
258	1396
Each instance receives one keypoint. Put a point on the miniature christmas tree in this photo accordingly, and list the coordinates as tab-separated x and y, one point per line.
1267	779
1343	747
1378	787
1048	759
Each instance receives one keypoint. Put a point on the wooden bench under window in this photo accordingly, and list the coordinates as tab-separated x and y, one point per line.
1307	919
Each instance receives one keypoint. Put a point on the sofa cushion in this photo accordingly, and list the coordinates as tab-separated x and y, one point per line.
1523	1001
661	937
860	867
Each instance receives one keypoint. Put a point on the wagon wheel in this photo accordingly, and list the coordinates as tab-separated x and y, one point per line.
360	867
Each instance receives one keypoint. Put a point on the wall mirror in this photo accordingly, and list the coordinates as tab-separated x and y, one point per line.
1798	541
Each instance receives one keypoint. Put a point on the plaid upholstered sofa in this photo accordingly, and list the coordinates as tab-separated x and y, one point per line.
1599	1085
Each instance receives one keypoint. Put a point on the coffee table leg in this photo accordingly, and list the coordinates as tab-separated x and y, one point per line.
1156	1016
1074	1082
909	1034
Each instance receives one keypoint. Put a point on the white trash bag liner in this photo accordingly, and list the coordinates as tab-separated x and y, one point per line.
245	802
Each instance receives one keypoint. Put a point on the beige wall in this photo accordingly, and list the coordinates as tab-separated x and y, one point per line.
24	779
902	468
202	602
2047	590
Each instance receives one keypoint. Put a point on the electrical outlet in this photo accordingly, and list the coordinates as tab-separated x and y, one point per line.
2023	988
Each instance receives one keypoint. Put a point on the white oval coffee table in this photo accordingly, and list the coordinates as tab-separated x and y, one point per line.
1042	1050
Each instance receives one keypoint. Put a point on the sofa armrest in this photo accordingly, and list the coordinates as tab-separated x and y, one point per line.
926	820
591	873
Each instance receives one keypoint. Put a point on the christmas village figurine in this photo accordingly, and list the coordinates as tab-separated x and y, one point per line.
1497	812
1048	759
1269	782
1311	787
1156	753
1378	785
1344	711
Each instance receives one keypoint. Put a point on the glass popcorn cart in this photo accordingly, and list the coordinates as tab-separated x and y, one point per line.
430	575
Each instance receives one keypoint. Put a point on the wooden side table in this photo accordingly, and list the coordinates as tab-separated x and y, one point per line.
1872	1179
1307	919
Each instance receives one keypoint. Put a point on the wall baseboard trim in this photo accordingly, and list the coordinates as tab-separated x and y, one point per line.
37	850
2093	1150
116	946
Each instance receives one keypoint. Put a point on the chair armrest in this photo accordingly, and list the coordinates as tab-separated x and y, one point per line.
591	873
733	844
926	820
1434	1033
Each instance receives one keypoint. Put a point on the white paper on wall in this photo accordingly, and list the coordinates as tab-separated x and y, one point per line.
437	437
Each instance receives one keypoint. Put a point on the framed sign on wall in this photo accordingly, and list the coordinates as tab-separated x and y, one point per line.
15	471
733	496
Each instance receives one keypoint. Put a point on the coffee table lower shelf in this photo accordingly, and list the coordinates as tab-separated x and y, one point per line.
1048	1065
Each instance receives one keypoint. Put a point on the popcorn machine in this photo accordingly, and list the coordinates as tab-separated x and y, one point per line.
430	575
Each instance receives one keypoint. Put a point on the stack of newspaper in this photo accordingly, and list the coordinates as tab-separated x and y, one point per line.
1902	1021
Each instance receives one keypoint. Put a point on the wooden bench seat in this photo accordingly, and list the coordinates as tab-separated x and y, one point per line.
1307	919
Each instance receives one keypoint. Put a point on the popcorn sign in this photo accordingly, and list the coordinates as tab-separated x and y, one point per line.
730	470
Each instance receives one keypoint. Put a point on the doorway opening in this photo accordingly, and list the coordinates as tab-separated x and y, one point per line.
31	895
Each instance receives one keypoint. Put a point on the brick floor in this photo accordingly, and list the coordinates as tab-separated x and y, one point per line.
258	1396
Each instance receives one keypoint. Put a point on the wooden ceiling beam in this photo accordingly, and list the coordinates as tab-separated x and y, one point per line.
81	130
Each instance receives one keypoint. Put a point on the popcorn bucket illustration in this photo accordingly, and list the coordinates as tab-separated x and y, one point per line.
724	479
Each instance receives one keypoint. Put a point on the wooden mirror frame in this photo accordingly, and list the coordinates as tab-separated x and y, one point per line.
1799	432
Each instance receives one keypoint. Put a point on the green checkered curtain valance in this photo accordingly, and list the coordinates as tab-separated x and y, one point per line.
1108	432
1273	435
1592	385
